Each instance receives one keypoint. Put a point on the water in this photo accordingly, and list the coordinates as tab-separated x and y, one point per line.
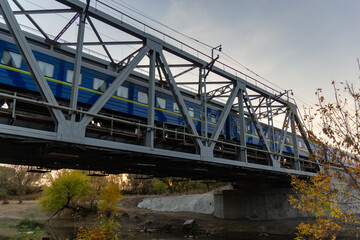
69	233
239	236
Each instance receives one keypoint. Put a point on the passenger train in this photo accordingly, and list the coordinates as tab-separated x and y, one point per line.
129	100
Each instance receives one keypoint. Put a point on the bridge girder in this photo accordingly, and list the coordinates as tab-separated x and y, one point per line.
246	99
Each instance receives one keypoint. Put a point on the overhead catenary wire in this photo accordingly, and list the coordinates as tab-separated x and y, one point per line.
129	8
134	10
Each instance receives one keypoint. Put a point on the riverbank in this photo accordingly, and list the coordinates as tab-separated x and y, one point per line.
139	221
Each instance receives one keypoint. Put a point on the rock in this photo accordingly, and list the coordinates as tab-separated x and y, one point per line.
151	230
263	235
189	226
190	222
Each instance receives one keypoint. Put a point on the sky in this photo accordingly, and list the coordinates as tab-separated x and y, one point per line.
299	45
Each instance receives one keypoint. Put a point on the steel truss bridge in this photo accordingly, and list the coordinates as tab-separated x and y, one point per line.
62	134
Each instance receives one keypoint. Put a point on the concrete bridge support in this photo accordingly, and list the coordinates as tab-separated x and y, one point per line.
259	203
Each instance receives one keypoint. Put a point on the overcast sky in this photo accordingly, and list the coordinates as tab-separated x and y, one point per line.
299	45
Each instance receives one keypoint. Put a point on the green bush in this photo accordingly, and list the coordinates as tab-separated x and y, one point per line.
30	224
69	190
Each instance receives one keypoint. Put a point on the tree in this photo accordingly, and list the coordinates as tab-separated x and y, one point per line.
332	196
22	179
67	191
106	228
109	197
6	175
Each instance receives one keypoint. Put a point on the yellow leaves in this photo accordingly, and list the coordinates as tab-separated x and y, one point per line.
106	228
324	198
109	198
322	229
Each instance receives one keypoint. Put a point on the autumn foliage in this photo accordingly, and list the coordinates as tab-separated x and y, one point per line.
106	228
331	196
69	190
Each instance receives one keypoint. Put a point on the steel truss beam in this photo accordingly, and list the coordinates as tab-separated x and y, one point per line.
179	100
258	102
77	65
219	91
123	75
151	101
270	157
224	115
31	20
31	62
44	11
100	39
104	43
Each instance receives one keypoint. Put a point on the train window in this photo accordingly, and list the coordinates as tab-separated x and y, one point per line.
11	59
70	76
213	118
301	144
288	141
99	85
122	92
266	133
191	112
47	68
176	108
142	97
160	103
248	128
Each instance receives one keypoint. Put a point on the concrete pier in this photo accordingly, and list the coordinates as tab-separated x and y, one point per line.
264	204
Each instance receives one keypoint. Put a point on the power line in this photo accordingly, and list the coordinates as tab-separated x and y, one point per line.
123	5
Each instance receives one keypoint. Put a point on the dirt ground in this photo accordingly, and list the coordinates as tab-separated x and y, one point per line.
134	220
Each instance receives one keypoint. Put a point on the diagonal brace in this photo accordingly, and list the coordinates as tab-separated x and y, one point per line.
179	99
32	20
283	134
259	131
100	39
124	74
224	114
30	61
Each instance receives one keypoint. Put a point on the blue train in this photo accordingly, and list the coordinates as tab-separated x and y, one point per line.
129	100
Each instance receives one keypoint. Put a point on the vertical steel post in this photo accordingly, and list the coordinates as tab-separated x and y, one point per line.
203	99
149	139
295	142
242	128
270	124
77	65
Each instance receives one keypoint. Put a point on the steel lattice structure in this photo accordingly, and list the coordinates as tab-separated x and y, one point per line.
69	143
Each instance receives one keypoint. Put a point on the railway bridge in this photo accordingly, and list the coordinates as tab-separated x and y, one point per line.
164	109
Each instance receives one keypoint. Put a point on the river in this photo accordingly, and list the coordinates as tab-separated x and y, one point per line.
68	233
